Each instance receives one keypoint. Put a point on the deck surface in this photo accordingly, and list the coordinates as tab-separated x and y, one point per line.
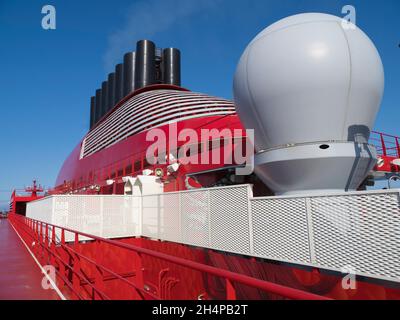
20	276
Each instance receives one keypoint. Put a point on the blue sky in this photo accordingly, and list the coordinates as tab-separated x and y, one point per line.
47	77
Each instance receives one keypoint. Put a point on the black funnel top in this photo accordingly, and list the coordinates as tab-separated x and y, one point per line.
104	98
129	73
98	105
119	83
111	91
92	111
145	64
172	66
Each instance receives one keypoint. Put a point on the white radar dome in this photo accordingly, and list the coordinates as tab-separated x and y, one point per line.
308	85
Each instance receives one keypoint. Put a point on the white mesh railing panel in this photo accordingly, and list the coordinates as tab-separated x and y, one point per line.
78	213
41	210
150	207
358	231
280	229
134	218
104	216
229	220
194	219
117	220
170	216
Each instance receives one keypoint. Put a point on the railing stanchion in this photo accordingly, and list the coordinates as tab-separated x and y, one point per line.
383	145
76	281
46	243
99	278
230	290
40	236
138	270
36	249
62	256
53	247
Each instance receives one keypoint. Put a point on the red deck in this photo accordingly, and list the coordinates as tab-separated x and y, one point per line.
20	276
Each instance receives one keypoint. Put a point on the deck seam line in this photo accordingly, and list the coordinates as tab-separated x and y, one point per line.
56	289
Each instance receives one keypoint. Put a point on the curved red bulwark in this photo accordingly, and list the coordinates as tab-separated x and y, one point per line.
20	277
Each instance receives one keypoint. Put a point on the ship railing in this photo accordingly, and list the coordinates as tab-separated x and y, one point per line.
69	260
386	145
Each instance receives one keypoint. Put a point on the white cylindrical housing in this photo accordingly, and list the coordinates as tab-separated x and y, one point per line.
308	80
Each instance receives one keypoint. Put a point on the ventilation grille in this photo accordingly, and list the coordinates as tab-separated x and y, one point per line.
152	109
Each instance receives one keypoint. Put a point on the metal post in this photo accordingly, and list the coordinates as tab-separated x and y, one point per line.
53	247
138	270
46	242
76	281
230	291
62	255
310	229
99	280
383	144
39	241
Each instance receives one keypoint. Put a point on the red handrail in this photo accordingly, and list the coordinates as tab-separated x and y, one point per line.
385	143
45	245
37	228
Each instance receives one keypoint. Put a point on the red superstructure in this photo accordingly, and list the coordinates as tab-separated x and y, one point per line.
88	171
115	149
88	174
99	158
169	265
20	199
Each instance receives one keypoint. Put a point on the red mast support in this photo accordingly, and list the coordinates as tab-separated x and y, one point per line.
34	189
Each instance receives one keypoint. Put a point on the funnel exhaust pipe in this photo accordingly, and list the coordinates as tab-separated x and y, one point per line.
92	111
111	91
172	66
145	64
119	83
104	98
98	105
129	73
